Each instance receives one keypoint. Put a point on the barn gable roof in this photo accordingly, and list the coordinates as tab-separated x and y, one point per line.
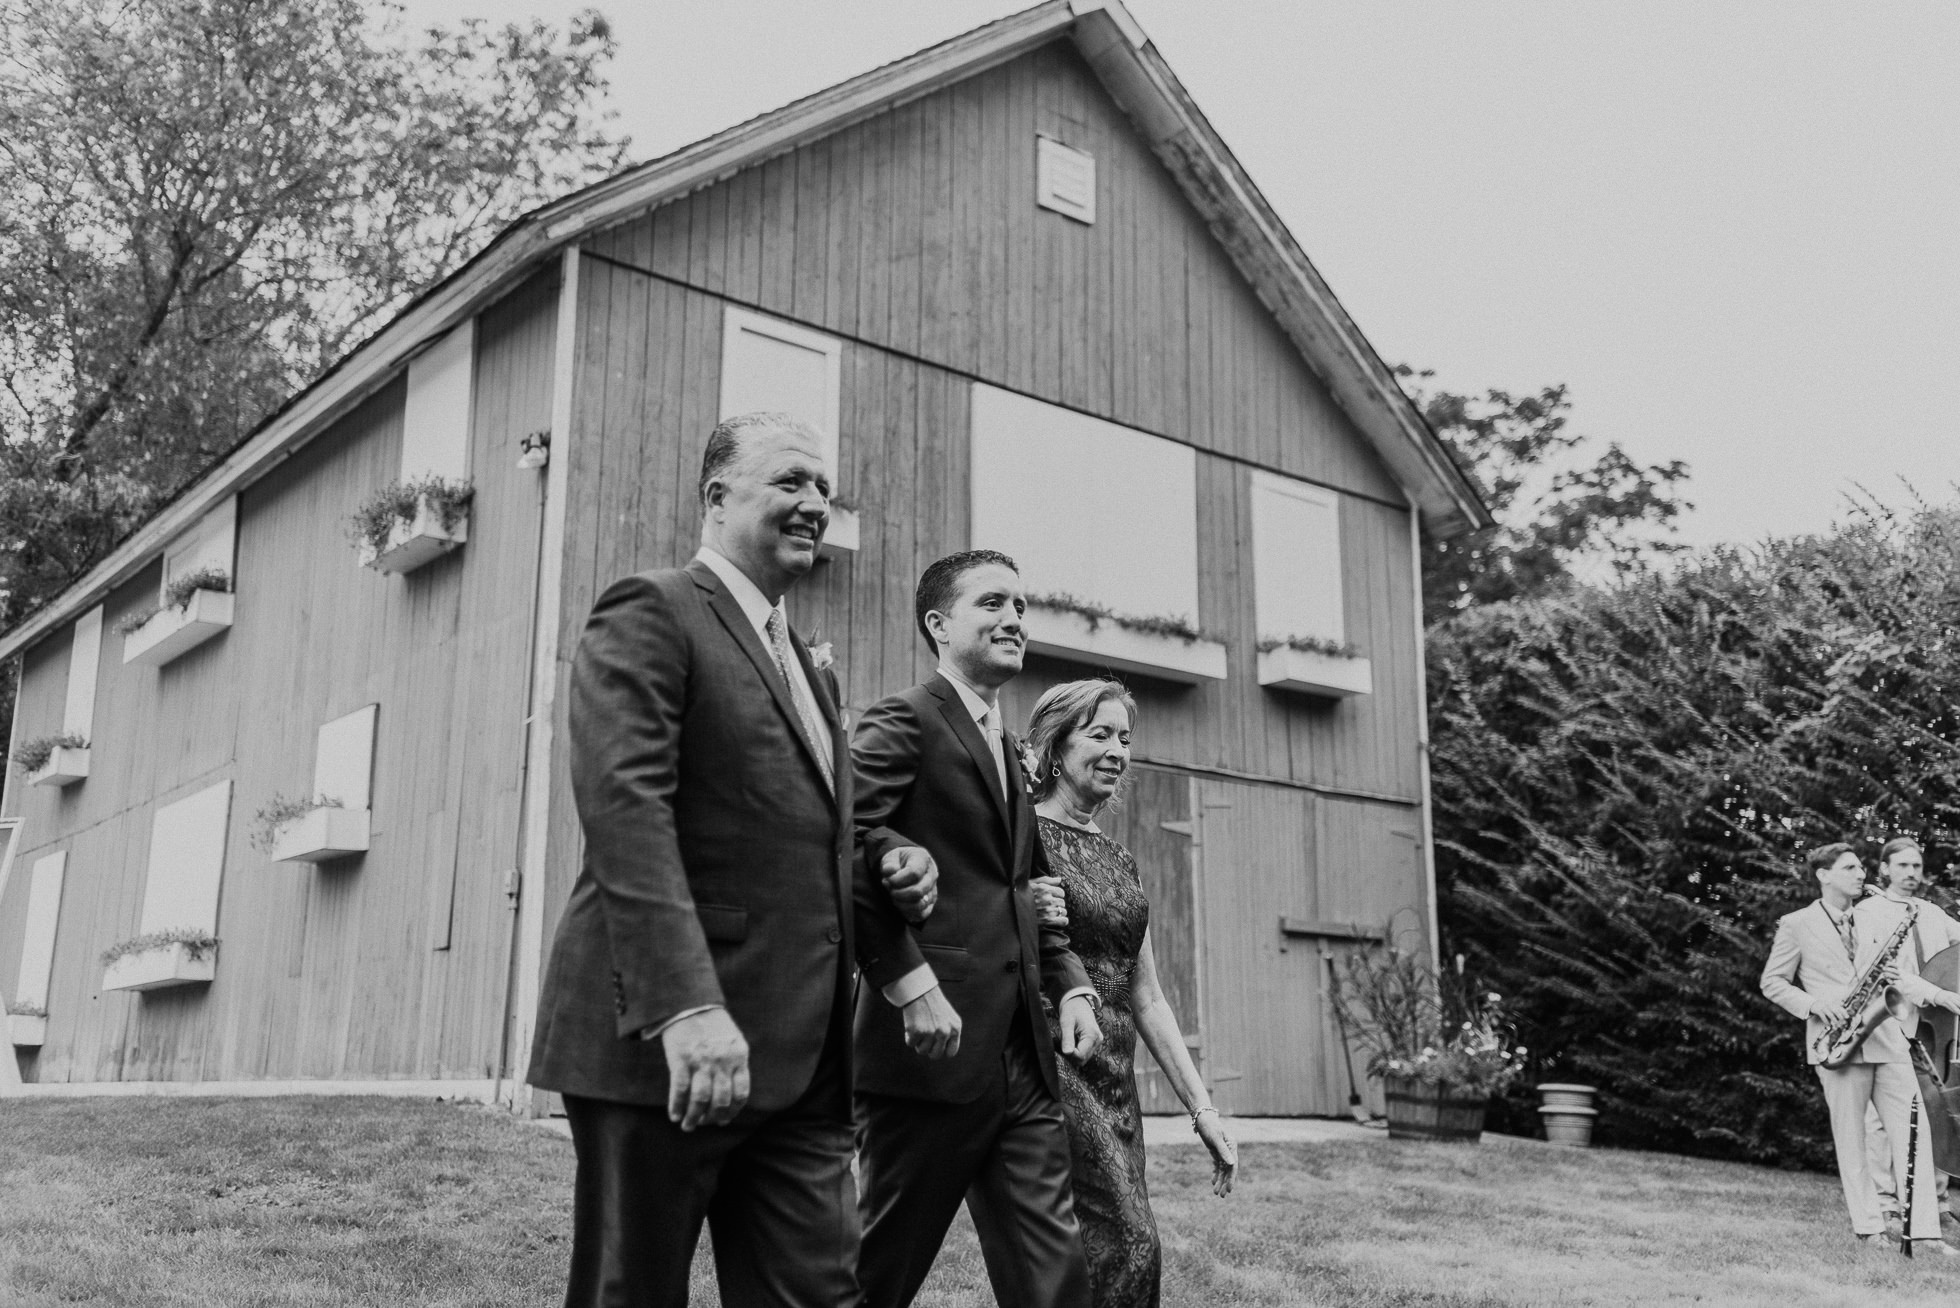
1130	70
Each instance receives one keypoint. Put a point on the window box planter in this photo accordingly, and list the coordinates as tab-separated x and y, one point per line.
165	965
415	541
1107	643
172	631
841	538
322	834
1312	672
26	1030
65	766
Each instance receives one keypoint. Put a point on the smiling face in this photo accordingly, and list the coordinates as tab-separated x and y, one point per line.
1846	875
1096	755
979	632
1905	871
766	513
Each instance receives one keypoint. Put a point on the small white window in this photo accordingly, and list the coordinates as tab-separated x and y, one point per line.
1296	536
84	663
1087	508
1064	179
773	366
187	862
37	944
211	543
436	418
343	759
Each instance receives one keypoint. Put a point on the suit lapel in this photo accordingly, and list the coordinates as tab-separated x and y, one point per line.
953	709
737	623
1018	803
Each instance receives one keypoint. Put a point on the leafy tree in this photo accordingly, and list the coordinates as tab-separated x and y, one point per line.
1555	512
1626	775
205	203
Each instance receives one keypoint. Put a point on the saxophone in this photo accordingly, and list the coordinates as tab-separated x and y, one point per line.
1868	1004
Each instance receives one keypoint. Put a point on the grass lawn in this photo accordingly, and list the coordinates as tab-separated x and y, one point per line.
156	1203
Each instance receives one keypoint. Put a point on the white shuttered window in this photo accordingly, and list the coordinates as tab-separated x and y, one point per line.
1296	534
187	862
778	367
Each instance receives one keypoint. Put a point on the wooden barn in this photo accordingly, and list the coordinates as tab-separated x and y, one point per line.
297	809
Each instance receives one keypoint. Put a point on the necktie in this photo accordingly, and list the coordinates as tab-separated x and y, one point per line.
990	725
1848	933
806	712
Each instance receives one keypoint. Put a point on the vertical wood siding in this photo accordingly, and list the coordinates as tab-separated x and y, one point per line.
330	971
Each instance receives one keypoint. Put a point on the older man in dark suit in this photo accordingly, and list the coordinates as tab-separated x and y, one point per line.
696	1010
935	768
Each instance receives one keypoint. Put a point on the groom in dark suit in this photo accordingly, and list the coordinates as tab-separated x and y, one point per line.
696	1011
935	768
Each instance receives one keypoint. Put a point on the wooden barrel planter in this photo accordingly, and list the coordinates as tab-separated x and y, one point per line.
1418	1110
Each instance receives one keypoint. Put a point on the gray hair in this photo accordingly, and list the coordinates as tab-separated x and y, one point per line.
730	439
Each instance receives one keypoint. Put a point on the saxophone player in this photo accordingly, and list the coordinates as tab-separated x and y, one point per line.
1820	953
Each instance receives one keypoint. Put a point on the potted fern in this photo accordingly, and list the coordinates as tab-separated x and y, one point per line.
309	830
196	607
58	760
408	523
175	956
1311	665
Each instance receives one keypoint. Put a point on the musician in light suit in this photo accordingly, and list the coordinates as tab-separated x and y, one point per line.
1819	955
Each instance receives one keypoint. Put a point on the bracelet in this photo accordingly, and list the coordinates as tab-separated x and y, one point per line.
1200	1113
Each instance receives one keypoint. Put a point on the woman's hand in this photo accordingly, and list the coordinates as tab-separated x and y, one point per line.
1224	1154
1050	904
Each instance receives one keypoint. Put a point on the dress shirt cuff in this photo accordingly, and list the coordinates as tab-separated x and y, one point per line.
1087	991
653	1032
912	985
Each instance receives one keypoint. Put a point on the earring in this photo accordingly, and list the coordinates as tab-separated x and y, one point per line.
1056	771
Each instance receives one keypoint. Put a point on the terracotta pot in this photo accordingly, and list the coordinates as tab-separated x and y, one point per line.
1568	1113
1421	1111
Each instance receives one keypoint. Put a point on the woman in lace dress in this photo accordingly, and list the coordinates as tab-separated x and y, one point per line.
1078	748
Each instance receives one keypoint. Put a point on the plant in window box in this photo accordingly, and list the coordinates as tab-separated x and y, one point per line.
195	607
176	956
408	523
1169	647
845	533
309	830
1312	665
27	1025
59	760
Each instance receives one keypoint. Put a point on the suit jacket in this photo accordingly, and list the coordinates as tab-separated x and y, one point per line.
926	777
718	865
1808	970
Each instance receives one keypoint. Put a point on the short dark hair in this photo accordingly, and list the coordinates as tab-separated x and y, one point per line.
939	584
1897	843
731	436
1821	858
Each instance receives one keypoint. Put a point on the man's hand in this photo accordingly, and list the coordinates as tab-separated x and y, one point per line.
912	880
707	1069
1080	1034
932	1027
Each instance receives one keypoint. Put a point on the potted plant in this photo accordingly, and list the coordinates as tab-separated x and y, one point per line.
175	956
195	607
1441	1048
309	830
1169	647
58	760
1309	665
27	1025
1567	1111
408	523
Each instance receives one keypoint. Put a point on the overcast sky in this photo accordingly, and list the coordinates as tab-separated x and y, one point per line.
1730	228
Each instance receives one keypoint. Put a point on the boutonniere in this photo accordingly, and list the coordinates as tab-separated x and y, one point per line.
821	655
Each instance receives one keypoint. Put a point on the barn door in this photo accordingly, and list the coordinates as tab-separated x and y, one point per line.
1154	824
1267	1026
